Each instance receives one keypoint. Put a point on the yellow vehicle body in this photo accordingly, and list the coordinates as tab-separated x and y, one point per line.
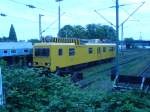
62	55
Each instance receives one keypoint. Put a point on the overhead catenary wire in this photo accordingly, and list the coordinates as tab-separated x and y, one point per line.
129	14
14	17
104	18
115	6
51	24
27	5
31	6
134	12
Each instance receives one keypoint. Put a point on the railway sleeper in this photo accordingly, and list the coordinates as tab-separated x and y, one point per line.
131	82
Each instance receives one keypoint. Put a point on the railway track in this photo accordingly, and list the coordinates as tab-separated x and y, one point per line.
85	83
145	72
139	82
145	79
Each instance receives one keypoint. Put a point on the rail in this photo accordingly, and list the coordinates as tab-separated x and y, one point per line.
140	82
85	83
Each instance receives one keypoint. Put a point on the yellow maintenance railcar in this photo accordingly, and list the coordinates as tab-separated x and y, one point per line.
60	55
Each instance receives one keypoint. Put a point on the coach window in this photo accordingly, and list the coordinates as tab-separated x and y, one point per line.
5	51
25	50
13	51
71	52
104	49
90	50
60	52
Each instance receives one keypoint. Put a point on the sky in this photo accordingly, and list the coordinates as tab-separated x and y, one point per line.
73	12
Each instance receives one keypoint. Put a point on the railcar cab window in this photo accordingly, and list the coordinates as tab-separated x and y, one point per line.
60	52
71	51
42	52
90	50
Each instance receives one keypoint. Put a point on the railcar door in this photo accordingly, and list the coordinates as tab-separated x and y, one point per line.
99	53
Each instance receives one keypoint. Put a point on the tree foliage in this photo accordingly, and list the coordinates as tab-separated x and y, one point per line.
67	31
12	34
4	39
33	41
28	90
91	31
129	42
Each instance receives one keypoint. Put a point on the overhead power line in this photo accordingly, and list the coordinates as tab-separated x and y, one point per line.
104	18
52	24
135	19
14	17
121	5
134	12
2	14
27	5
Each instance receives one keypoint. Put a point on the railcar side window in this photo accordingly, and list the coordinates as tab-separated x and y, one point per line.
60	52
90	50
111	49
104	49
44	52
71	51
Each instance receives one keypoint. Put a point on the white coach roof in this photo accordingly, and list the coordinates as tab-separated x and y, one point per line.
15	45
107	44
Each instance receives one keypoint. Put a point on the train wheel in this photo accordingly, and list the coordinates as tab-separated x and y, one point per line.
76	76
59	73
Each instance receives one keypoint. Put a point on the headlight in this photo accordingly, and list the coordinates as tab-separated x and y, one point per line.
35	63
47	64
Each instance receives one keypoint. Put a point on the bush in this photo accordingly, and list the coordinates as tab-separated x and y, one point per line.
28	90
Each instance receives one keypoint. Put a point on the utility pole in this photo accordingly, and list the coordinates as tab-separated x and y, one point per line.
59	16
59	19
140	36
40	27
117	38
1	90
122	35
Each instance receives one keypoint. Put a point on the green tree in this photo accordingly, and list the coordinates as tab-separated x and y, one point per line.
34	41
79	31
67	31
97	31
91	31
4	39
129	43
108	32
12	34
